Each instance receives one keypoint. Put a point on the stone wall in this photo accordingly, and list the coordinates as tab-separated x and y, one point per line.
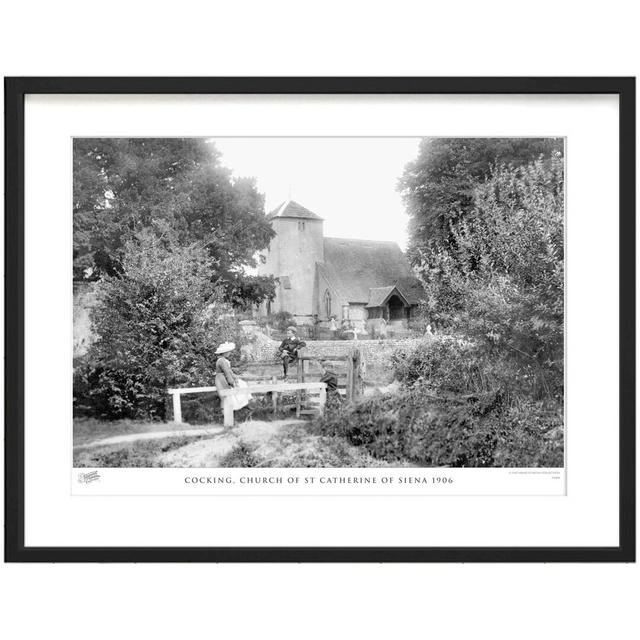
374	352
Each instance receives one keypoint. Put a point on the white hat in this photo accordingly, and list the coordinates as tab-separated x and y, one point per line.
225	347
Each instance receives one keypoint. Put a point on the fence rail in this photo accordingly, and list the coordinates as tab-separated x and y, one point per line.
227	409
353	386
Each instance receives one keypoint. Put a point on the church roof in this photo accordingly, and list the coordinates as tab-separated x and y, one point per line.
379	295
291	209
358	268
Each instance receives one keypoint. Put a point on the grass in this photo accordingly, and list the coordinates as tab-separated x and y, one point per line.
87	430
479	430
296	446
140	453
257	445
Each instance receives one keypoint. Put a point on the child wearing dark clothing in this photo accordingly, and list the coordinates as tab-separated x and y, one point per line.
334	398
288	349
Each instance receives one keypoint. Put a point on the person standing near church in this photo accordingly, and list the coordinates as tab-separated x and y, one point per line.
316	325
288	349
382	329
333	327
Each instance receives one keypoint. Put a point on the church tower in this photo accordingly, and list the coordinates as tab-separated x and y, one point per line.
292	256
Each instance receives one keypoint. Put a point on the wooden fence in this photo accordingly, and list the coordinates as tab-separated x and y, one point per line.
350	384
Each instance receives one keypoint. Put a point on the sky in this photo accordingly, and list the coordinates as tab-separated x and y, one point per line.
350	182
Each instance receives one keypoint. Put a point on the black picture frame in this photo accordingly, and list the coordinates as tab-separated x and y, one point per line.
15	91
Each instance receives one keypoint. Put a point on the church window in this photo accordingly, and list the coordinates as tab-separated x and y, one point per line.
300	225
327	303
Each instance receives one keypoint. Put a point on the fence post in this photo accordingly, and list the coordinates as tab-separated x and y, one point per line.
354	374
358	378
177	409
300	377
323	400
274	396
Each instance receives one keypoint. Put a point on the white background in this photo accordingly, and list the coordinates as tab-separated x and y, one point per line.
401	38
587	516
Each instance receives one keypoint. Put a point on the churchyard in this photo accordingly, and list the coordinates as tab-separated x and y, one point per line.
454	346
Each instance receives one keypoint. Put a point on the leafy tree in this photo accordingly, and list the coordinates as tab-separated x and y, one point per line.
123	186
158	323
438	186
503	284
246	291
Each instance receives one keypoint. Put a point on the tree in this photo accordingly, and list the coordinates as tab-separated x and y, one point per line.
438	186
123	186
246	291
158	323
503	284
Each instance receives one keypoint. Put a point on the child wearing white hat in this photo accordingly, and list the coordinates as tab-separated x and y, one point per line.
226	379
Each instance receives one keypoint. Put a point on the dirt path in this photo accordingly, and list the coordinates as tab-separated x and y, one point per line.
278	443
206	453
209	444
152	435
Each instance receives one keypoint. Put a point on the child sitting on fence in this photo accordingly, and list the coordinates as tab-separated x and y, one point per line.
288	349
227	379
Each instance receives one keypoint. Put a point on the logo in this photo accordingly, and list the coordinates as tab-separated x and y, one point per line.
86	478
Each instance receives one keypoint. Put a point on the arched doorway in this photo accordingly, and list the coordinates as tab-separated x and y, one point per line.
396	308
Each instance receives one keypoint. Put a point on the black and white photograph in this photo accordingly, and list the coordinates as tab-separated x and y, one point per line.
321	320
327	302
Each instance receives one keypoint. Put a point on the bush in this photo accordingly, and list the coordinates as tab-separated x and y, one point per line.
451	365
500	279
111	393
439	360
242	455
416	426
281	320
157	326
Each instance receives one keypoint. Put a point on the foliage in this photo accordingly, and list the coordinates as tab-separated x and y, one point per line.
447	362
200	408
487	244
245	291
503	286
413	425
450	366
438	187
281	320
242	455
139	453
420	318
122	186
457	407
158	324
295	447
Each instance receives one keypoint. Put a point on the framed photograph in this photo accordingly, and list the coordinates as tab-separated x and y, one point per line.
320	319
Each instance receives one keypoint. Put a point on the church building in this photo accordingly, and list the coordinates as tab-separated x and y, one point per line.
322	277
